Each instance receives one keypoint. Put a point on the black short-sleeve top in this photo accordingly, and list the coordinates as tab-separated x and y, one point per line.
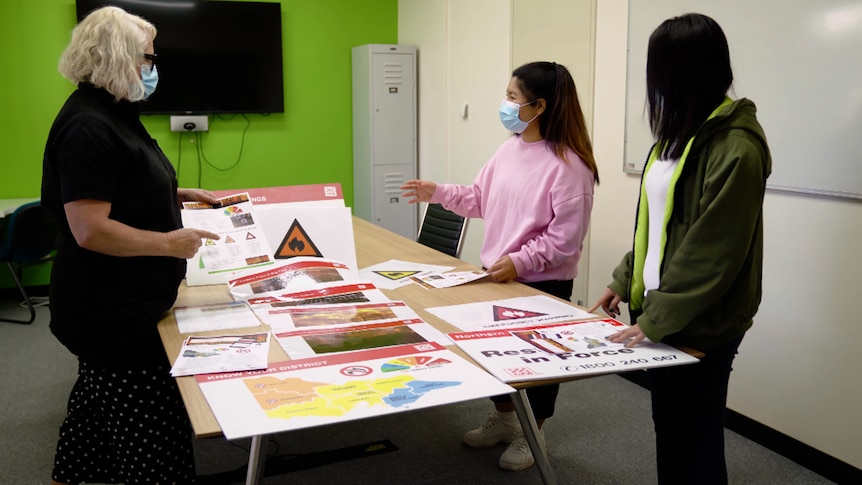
106	307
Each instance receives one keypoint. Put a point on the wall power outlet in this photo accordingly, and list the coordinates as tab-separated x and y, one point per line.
189	123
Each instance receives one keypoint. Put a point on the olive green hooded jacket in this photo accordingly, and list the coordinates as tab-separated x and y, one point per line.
711	263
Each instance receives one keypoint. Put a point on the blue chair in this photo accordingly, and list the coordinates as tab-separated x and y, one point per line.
30	238
442	230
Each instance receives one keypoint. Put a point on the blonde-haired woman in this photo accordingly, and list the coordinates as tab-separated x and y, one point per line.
120	259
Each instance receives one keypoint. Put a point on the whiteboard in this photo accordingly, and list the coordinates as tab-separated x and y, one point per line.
800	61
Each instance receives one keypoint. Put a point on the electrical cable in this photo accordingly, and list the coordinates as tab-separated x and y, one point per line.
180	155
241	146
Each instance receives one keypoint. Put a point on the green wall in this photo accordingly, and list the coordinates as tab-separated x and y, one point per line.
309	143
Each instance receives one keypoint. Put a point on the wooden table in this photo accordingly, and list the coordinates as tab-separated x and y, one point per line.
373	245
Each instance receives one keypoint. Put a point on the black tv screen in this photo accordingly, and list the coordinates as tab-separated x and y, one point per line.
213	56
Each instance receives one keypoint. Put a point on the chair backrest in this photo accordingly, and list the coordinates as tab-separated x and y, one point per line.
442	230
31	234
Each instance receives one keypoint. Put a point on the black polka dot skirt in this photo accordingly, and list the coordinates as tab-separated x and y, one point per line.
125	425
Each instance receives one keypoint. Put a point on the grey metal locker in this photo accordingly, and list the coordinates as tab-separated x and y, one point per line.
384	135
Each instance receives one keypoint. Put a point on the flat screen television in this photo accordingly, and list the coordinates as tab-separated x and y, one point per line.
213	56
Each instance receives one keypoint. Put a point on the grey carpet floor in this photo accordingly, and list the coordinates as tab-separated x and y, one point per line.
601	433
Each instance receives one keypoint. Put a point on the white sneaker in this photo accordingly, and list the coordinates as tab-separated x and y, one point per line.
498	428
518	455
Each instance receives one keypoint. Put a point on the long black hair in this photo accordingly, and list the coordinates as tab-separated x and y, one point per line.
562	124
688	75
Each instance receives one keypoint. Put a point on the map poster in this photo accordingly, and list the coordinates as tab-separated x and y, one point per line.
560	350
337	388
513	312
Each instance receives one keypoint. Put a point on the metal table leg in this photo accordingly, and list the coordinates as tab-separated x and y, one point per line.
531	432
256	460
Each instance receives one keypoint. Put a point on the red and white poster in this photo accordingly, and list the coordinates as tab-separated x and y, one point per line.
560	350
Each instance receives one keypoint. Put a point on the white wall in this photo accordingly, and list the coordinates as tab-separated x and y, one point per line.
797	368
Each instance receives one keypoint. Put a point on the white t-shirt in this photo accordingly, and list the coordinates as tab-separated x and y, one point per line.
657	184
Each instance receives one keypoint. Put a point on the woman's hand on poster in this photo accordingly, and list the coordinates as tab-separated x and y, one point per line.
503	270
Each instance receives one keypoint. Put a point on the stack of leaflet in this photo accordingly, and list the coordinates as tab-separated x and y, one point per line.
317	306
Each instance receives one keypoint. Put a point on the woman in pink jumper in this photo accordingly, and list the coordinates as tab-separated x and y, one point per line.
535	195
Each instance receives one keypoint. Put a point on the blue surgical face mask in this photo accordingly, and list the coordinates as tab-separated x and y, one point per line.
150	78
510	116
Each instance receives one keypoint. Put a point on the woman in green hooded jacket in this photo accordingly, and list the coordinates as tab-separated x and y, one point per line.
693	277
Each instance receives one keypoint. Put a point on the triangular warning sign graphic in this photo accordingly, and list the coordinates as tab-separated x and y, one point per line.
296	243
250	236
229	239
209	242
503	313
396	275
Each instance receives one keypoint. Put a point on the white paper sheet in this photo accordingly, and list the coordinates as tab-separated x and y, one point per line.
242	244
217	316
395	273
450	279
314	231
223	353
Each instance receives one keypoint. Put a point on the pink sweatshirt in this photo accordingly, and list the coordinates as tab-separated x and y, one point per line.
536	208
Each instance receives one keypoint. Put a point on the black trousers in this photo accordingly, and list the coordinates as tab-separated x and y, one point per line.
688	409
543	399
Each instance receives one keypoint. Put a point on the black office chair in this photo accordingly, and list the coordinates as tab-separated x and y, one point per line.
442	230
30	238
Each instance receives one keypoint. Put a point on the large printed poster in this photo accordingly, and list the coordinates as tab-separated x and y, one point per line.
561	350
303	393
291	221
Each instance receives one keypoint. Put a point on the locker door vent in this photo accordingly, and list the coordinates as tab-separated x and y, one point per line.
393	73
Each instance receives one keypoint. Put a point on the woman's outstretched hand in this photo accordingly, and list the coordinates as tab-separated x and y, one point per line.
418	190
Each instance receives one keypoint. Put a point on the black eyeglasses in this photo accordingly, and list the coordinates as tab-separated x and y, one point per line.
151	57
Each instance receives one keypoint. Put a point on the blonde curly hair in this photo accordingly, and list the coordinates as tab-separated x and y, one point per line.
107	50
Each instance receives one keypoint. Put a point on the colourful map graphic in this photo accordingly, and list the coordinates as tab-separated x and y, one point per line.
302	393
405	363
295	397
